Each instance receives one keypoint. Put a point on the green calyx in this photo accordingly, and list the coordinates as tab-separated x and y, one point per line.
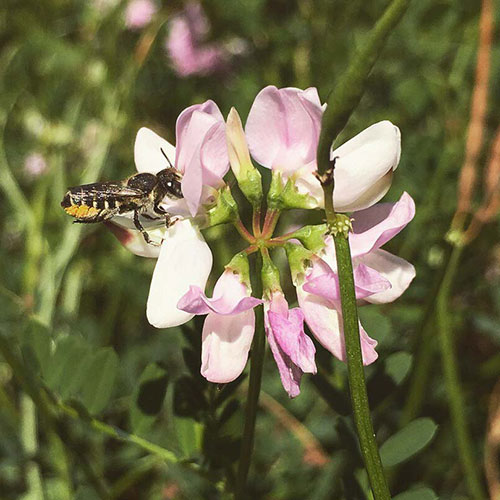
282	196
270	275
239	264
312	237
225	210
250	183
298	259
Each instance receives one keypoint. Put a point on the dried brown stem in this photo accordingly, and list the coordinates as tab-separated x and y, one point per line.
491	202
314	453
475	131
492	445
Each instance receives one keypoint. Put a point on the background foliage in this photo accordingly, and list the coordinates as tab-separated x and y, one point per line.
105	386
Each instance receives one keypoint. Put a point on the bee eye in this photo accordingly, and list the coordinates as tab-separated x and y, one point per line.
169	184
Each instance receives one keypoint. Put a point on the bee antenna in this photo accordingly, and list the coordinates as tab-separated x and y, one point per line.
169	162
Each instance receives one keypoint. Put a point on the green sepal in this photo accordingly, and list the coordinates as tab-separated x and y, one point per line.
250	184
239	264
270	275
312	237
225	210
298	259
284	196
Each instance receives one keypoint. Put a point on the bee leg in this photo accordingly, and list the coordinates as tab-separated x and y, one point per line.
140	227
149	217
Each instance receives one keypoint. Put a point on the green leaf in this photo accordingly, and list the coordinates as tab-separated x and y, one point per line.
189	434
417	494
148	397
64	373
397	366
407	442
98	379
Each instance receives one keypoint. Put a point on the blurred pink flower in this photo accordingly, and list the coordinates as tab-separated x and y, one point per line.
379	276
139	13
228	328
185	46
34	165
283	129
292	349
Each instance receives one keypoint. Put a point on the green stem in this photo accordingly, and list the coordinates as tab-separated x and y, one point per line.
357	384
452	380
256	366
347	93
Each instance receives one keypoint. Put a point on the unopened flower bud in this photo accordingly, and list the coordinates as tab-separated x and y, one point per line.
248	177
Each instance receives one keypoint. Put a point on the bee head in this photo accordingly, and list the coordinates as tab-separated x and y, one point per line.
169	183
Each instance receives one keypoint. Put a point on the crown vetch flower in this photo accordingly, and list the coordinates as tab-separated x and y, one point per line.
283	129
185	46
230	323
184	258
139	13
379	276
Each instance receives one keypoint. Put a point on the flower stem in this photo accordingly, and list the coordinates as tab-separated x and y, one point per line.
256	366
244	233
452	381
270	222
256	221
357	384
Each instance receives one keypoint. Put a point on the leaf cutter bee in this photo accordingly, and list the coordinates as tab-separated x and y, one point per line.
140	194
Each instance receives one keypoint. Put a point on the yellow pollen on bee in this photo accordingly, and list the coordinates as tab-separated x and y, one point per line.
72	210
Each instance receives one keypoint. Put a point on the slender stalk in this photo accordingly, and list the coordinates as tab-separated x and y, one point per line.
256	221
357	384
347	93
256	366
452	380
244	233
272	217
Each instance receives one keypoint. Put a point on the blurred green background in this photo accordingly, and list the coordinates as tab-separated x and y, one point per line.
77	82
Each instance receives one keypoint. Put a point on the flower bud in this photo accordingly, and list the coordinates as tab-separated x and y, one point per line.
299	260
248	177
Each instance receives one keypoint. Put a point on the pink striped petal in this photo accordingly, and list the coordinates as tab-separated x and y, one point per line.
230	297
376	225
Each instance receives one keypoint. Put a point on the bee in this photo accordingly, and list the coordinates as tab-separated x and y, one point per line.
138	195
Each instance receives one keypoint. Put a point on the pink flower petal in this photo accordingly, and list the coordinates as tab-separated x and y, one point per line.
184	133
185	259
283	127
375	226
325	322
367	282
396	270
226	341
148	153
230	297
290	336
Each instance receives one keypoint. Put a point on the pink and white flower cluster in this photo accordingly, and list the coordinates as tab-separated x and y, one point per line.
282	134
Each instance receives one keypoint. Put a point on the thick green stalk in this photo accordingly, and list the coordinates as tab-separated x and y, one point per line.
256	366
452	381
347	93
356	375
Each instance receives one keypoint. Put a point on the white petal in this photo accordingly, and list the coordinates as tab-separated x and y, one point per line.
185	259
148	153
226	341
364	166
398	271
